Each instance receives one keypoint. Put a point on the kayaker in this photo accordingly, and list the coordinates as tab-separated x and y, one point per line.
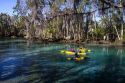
76	55
72	50
81	50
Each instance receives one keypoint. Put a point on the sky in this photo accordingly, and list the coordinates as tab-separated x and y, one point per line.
6	6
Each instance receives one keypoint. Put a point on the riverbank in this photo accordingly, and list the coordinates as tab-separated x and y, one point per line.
90	43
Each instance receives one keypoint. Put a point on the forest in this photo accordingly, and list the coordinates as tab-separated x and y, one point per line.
100	21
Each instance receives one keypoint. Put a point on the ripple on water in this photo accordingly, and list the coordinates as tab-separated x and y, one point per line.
9	67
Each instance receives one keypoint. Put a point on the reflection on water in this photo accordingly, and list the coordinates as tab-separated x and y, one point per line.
42	63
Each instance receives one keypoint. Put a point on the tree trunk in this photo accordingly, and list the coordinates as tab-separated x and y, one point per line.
117	33
122	22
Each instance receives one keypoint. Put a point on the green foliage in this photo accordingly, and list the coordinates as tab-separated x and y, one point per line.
62	1
99	32
20	23
5	24
124	37
31	4
63	15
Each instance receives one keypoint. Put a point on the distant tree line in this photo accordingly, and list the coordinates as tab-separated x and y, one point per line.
74	20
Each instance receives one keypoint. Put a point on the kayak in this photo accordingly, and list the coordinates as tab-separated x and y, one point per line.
84	50
77	59
71	53
83	57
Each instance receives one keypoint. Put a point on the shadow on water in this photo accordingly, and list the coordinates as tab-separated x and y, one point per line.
42	63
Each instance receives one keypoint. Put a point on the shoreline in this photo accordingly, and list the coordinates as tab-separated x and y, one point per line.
92	43
95	43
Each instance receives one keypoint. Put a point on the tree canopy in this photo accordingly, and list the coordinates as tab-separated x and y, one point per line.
77	20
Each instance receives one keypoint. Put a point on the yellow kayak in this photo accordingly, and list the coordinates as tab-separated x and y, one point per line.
76	59
71	53
84	50
79	59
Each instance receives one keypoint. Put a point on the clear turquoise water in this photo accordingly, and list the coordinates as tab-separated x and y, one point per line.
22	62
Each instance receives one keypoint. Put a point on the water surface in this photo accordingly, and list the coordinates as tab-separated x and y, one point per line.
23	62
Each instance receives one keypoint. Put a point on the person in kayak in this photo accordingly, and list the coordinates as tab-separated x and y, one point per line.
72	50
76	55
